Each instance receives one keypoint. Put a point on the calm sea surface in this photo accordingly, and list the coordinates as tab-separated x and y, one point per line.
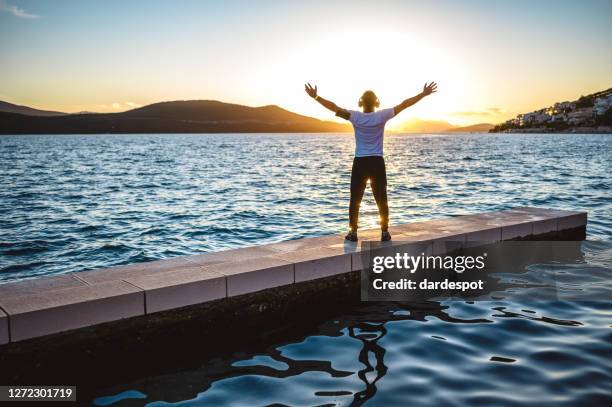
72	203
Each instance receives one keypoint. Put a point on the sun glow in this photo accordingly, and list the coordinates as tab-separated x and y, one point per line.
393	63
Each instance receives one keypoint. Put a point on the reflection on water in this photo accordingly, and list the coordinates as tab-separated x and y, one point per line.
397	354
369	334
506	352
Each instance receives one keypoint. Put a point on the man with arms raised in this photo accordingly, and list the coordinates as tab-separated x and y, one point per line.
369	164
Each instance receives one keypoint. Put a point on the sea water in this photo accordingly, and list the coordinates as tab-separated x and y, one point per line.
79	202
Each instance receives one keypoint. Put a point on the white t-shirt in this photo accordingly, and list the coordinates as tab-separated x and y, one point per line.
369	131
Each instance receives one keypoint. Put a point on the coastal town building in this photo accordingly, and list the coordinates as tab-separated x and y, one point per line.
593	110
602	104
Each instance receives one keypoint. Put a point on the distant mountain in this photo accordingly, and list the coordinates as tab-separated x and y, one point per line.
416	125
474	128
12	108
191	116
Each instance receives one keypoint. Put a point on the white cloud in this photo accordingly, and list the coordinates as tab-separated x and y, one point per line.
131	104
16	11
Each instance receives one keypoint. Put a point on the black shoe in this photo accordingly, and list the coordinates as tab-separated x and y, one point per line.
351	236
385	236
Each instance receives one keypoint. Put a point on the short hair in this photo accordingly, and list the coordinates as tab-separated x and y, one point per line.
370	98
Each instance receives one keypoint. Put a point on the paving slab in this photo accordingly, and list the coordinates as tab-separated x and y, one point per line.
345	246
496	219
572	221
433	234
541	227
453	226
533	214
224	256
450	223
248	276
177	289
305	244
516	231
39	285
119	273
318	262
70	308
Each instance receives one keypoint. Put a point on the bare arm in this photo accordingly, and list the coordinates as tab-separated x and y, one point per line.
312	92
428	89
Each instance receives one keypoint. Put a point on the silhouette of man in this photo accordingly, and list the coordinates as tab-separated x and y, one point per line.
369	164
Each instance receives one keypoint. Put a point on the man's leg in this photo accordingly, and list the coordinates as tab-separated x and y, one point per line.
379	189
359	181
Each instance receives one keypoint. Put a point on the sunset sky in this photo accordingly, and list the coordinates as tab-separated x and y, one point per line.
491	59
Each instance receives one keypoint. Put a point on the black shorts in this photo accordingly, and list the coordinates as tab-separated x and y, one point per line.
369	168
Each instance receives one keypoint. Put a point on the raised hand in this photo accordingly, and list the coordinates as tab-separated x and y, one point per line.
428	89
312	92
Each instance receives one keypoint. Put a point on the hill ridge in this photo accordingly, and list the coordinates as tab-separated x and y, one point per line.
21	109
182	116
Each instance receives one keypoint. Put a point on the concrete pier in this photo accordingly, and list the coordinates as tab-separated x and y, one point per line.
67	304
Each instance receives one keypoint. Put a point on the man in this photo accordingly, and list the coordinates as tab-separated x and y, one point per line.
369	163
